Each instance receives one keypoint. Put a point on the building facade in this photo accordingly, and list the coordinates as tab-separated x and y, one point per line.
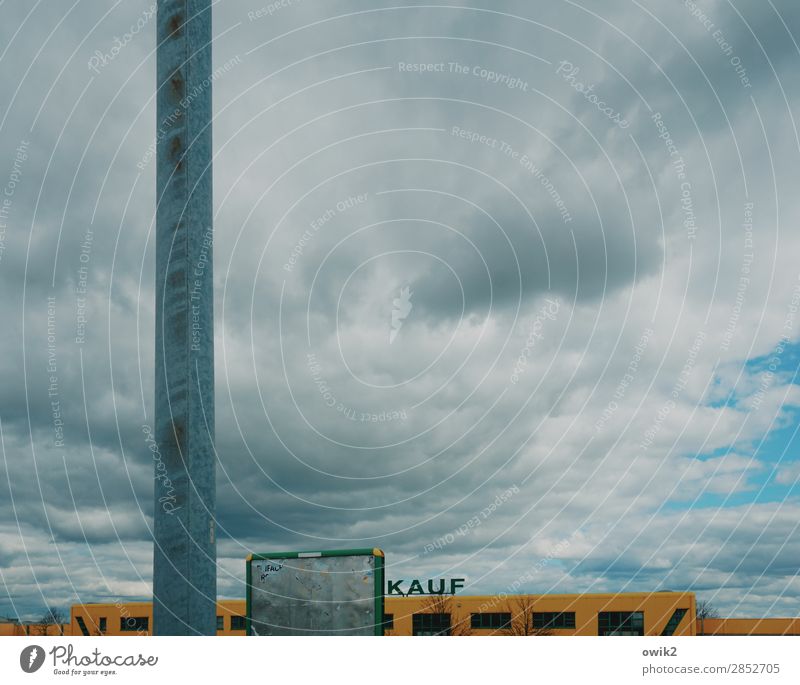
136	618
12	627
748	626
659	613
656	613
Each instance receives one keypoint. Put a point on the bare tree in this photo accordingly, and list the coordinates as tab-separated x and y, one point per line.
521	610
53	616
705	609
443	604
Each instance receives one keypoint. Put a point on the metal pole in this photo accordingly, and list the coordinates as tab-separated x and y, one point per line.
184	563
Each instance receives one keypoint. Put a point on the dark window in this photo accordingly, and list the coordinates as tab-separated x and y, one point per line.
134	624
620	623
103	624
237	623
491	621
674	622
78	619
553	620
388	621
220	623
430	624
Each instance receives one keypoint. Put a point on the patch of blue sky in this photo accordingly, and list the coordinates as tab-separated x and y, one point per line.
775	456
778	453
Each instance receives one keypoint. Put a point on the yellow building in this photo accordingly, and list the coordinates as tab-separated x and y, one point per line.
136	618
646	613
652	613
659	613
12	627
748	626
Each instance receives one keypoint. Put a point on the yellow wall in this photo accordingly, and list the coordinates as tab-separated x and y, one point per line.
657	607
748	626
115	614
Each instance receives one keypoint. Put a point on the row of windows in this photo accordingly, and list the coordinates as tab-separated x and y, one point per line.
490	621
553	620
140	624
620	623
439	624
430	624
608	622
237	623
134	624
542	620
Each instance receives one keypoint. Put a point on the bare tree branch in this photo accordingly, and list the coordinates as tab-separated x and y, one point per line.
443	604
521	610
53	616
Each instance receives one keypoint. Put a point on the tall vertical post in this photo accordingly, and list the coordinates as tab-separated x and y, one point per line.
184	563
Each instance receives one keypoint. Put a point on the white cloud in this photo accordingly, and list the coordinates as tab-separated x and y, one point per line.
480	241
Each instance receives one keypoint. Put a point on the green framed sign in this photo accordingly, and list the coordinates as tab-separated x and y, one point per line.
330	592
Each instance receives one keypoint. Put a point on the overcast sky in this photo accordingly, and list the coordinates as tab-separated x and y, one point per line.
510	291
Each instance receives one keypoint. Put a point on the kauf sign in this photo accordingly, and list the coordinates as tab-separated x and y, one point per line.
441	586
